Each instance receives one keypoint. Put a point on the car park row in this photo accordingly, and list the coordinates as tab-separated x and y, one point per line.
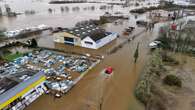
61	70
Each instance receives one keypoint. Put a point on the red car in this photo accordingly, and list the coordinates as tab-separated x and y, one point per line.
109	70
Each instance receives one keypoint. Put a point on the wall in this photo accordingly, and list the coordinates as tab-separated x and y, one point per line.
59	37
88	39
100	42
77	41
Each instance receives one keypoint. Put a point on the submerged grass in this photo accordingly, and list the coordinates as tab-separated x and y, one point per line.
12	57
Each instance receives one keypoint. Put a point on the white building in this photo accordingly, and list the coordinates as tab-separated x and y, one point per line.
88	36
97	42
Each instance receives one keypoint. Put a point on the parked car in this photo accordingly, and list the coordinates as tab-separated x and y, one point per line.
155	44
141	23
128	30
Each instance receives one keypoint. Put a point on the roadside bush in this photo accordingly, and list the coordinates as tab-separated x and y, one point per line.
172	80
32	43
103	20
141	92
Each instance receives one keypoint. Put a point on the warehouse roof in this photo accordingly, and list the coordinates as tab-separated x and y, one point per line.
98	35
6	84
20	86
83	31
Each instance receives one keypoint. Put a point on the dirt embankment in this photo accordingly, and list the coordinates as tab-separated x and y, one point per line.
156	94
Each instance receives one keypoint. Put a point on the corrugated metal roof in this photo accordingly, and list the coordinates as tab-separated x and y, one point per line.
84	30
20	87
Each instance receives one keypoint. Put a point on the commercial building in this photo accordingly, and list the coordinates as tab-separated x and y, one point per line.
20	89
88	36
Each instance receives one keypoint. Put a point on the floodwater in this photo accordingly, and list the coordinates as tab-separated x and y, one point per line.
93	92
55	19
186	99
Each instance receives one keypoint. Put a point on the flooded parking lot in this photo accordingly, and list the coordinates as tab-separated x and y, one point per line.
93	90
62	70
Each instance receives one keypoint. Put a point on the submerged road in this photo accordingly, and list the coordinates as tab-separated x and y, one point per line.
94	92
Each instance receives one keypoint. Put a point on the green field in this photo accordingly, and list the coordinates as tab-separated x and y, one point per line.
12	57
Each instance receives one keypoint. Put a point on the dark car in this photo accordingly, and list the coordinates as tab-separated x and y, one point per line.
128	30
131	28
141	23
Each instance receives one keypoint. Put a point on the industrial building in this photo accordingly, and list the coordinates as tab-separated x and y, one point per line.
20	89
88	36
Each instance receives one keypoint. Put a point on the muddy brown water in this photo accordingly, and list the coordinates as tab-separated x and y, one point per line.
184	97
42	16
94	91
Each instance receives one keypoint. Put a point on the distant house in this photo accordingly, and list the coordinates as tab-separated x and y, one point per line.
88	36
166	3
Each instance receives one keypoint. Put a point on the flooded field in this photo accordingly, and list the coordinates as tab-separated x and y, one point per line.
42	16
66	18
93	92
186	97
